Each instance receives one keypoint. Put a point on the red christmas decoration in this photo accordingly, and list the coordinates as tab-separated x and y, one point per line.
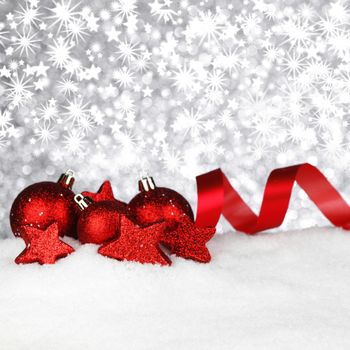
189	241
105	193
180	235
154	204
99	221
217	197
43	203
139	244
42	246
44	211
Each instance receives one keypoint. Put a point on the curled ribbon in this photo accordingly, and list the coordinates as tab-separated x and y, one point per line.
216	196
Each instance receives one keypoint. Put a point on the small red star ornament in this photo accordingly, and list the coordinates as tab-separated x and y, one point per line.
138	244
189	241
105	193
42	246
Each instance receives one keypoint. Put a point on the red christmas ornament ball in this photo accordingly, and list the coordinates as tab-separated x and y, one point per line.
41	204
100	221
154	204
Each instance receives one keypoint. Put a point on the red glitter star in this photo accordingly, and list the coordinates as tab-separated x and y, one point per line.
189	241
42	246
105	193
135	243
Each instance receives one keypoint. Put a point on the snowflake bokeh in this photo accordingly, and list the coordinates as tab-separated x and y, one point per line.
118	89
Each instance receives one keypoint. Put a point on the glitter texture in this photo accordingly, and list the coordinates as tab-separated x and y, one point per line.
41	204
138	244
100	221
189	241
42	246
155	205
105	193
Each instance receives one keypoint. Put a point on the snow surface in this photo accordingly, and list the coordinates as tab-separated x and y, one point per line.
289	290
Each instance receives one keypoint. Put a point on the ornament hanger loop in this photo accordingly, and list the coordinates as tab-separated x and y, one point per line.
82	201
69	175
146	184
67	179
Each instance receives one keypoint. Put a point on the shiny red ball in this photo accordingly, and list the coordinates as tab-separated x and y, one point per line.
159	204
100	221
42	204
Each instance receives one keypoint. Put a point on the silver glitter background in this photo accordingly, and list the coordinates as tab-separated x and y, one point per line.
115	89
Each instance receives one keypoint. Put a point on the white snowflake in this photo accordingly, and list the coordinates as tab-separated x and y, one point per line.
60	53
76	30
48	111
163	10
67	86
26	42
5	121
207	26
18	90
190	121
184	79
74	142
63	13
46	133
127	51
124	8
76	111
124	77
28	15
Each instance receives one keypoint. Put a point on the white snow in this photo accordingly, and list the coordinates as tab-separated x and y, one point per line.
289	290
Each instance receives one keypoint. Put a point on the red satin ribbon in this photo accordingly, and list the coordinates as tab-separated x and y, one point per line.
216	196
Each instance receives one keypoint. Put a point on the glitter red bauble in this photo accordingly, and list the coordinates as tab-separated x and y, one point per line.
100	221
155	204
44	203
